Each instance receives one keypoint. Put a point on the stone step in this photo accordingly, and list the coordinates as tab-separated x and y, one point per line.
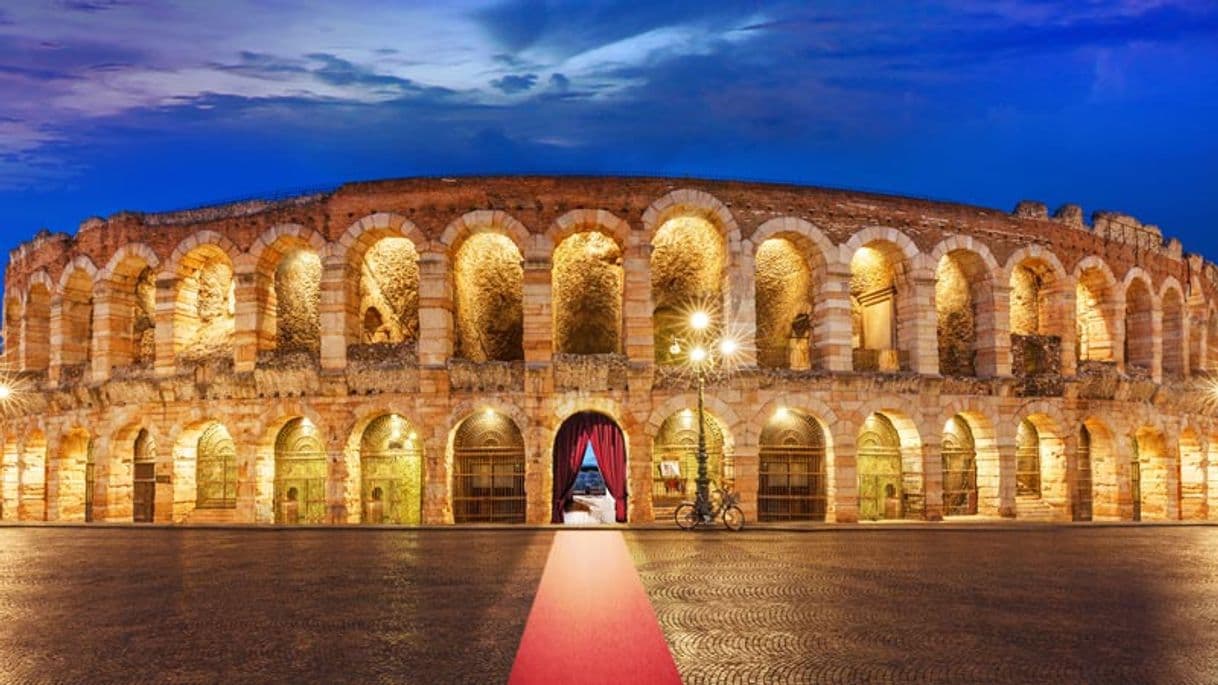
211	516
1033	509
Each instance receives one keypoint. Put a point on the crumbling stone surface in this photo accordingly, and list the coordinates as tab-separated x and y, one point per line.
489	281
588	280
389	292
297	297
784	299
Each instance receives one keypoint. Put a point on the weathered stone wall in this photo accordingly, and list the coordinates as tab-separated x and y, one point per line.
214	286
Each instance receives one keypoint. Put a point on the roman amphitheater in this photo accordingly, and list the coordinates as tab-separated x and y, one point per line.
410	351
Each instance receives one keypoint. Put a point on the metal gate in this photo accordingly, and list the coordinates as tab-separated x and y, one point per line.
1027	460
959	458
488	471
143	490
674	461
1082	494
390	472
1135	487
791	482
216	469
879	467
300	474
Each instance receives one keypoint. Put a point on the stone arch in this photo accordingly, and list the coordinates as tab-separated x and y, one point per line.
1154	477
674	467
172	267
381	252
1040	311
1096	305
1140	306
385	453
965	306
14	319
1194	477
75	292
488	287
687	201
10	493
131	473
479	221
588	280
1041	463
1174	339
884	305
583	220
486	457
130	282
206	472
36	335
287	286
790	262
301	470
691	265
793	453
987	496
204	312
1109	471
70	477
889	466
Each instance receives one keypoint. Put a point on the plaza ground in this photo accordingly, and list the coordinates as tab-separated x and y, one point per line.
979	604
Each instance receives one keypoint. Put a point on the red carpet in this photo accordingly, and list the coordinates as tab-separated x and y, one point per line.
591	621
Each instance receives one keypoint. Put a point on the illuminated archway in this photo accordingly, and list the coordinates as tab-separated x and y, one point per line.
688	264
36	343
1173	334
792	480
300	473
77	318
488	470
391	472
388	294
204	305
1093	302
674	460
1154	483
785	297
1193	488
489	297
1139	332
959	456
877	294
588	282
964	311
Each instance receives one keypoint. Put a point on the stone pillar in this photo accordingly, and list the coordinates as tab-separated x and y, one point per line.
741	313
833	330
435	310
538	315
638	477
56	341
1156	332
337	479
538	476
165	363
916	316
637	306
1115	313
1005	438
437	495
333	313
994	331
746	464
1067	326
106	323
932	474
245	324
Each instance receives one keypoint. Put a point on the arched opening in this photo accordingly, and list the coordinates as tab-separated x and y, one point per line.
674	461
300	473
75	348
588	284
785	295
13	319
289	296
688	264
32	471
959	457
1173	334
880	470
36	343
391	472
205	305
143	481
488	470
964	311
1027	460
215	469
1093	301
1083	487
1139	331
876	297
387	311
72	495
791	483
1037	322
1194	505
489	283
1154	488
132	292
1211	344
589	471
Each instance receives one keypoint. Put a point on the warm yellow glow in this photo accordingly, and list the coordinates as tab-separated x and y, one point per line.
674	349
489	412
412	436
728	347
5	391
781	413
697	355
699	320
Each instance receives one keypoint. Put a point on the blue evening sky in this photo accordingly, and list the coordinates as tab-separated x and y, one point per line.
153	105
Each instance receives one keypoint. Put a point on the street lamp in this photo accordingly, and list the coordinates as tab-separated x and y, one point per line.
702	355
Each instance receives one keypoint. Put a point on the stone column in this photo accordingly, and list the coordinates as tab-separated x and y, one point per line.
638	477
245	322
337	480
916	315
103	356
1005	438
833	332
1067	326
333	313
741	314
994	330
165	363
932	474
637	306
746	464
538	314
1156	332
435	310
845	478
56	341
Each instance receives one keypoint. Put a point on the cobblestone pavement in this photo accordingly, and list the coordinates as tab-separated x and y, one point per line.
1102	605
1119	605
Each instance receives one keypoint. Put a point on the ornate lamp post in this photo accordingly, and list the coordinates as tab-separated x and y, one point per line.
701	359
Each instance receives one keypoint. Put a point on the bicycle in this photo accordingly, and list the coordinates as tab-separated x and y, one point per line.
733	518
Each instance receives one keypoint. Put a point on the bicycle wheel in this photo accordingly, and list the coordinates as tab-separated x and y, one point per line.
687	516
733	518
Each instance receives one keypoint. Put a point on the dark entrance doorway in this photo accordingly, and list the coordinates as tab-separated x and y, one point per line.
1082	508
143	491
488	470
791	478
597	434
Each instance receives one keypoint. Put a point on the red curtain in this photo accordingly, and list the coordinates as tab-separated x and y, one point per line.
569	447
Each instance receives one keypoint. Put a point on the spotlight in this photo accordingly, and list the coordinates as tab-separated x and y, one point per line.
699	320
